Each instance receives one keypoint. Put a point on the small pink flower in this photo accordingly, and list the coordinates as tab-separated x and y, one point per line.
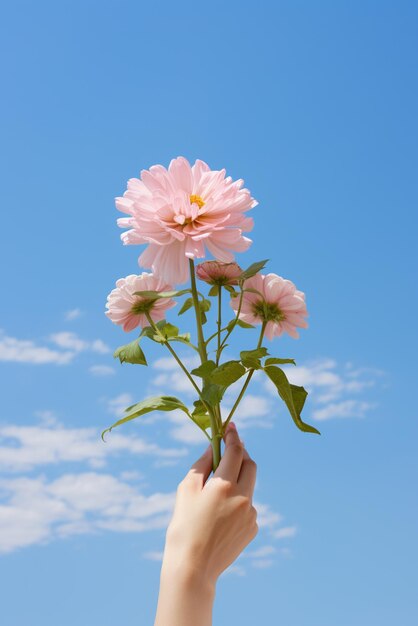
127	310
181	210
280	304
218	273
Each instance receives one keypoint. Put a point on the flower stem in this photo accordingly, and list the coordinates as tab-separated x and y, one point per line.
247	380
219	323
214	413
235	320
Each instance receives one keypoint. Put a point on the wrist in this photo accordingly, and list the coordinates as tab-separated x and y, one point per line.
185	573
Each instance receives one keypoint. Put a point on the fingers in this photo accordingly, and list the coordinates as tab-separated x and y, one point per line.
200	470
247	475
230	464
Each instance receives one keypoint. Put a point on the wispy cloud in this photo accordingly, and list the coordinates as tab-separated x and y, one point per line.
38	510
72	314
102	370
24	448
287	532
27	351
71	341
345	408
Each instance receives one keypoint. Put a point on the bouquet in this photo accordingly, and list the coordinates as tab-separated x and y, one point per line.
181	213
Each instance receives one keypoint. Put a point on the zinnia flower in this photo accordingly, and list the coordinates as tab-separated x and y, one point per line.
217	273
181	210
280	304
128	310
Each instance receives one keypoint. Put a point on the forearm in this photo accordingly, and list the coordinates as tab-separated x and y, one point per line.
186	598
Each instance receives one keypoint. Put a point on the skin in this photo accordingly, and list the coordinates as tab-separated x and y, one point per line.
213	521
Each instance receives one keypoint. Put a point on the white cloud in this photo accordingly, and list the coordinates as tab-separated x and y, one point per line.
346	408
71	341
262	563
265	517
36	510
154	555
72	314
285	533
102	370
117	405
27	351
26	447
261	552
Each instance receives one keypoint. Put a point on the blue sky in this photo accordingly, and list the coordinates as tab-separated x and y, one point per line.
314	105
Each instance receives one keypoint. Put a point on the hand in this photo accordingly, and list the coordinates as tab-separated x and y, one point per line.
213	520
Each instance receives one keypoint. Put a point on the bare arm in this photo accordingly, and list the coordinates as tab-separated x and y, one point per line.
213	521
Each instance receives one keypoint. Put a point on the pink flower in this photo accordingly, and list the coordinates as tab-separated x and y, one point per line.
181	210
280	304
217	273
128	310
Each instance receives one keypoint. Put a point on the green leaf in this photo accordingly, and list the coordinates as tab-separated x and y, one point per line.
156	295
204	370
202	420
156	403
275	361
187	304
293	396
131	353
231	290
239	323
214	290
253	269
227	373
213	394
251	358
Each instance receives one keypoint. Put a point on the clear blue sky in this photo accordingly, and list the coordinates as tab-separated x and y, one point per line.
314	104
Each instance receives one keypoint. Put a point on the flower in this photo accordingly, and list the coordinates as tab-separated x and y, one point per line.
128	310
181	210
217	273
278	303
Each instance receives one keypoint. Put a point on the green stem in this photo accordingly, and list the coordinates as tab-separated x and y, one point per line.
247	380
214	414
219	323
175	355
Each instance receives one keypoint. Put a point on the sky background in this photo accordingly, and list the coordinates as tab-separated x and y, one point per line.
314	105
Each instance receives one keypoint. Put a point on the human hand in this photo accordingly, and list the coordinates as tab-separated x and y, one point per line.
213	520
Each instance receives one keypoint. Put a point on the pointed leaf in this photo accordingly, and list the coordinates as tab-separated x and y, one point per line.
212	394
214	290
253	269
251	358
156	295
240	323
156	403
227	373
279	378
204	370
187	304
275	361
131	353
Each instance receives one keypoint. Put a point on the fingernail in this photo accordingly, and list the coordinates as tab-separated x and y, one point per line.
233	425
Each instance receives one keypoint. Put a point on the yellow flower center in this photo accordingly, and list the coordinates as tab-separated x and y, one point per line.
196	200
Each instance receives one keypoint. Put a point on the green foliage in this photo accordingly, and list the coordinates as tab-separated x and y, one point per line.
240	323
131	353
251	358
156	295
292	395
187	304
212	394
276	361
156	403
227	373
253	270
214	290
205	369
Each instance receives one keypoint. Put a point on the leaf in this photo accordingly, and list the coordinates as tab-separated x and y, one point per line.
240	323
131	353
292	396
212	394
156	403
156	295
204	370
214	290
251	358
169	331
227	373
253	269
202	420
231	290
276	361
187	304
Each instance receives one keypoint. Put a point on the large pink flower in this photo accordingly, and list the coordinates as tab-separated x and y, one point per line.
128	310
181	210
278	303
